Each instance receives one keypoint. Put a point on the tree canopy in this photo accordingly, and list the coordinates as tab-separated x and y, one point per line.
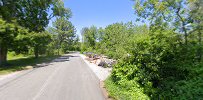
23	25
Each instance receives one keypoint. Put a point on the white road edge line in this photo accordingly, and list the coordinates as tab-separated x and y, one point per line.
45	84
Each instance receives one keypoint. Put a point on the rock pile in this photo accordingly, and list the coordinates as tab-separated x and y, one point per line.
99	60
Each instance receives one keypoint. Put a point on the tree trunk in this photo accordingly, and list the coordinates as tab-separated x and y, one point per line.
36	51
59	47
183	25
185	32
3	55
185	37
200	46
58	51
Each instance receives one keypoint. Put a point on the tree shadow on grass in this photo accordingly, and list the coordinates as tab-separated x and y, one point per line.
21	63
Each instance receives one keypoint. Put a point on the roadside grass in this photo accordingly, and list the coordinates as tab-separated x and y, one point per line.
113	90
19	62
124	91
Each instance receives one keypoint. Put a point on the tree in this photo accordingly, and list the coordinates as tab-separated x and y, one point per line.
21	43
183	16
64	33
8	31
9	35
168	13
34	15
76	44
115	39
84	40
196	15
8	9
89	38
31	14
39	41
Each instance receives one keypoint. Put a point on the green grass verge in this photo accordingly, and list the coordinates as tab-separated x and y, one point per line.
124	91
18	63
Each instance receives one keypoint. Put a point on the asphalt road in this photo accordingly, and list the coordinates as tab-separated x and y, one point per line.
66	78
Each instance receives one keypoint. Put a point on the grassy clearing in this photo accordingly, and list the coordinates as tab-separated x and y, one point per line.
19	62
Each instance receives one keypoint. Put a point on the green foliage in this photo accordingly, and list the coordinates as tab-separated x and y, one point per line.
111	41
151	63
8	31
63	35
179	15
9	9
190	87
126	90
12	55
161	61
33	15
40	39
184	89
114	39
148	56
21	42
59	10
156	64
39	42
89	38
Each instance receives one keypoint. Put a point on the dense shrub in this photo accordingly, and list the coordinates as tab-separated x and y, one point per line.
126	90
152	64
157	64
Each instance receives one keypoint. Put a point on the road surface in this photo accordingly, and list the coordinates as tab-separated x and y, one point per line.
66	78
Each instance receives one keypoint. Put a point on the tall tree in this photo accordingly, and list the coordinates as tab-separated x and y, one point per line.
34	15
165	13
31	14
183	16
8	9
39	41
89	37
196	12
64	32
8	30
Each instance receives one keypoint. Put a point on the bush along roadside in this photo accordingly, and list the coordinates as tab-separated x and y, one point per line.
151	62
160	68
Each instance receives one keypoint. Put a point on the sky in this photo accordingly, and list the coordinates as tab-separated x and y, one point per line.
99	13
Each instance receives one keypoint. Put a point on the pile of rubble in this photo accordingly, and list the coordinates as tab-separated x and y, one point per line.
99	60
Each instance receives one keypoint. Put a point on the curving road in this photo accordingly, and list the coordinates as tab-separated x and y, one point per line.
66	78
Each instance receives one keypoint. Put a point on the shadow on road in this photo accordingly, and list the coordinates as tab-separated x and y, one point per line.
62	59
59	59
